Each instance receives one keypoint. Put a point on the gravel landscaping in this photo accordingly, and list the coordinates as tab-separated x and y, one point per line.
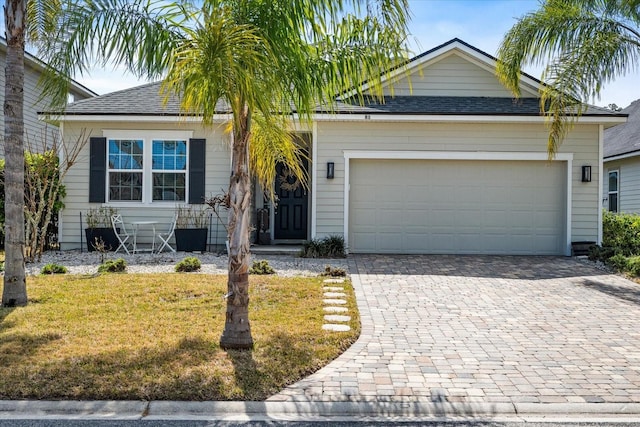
87	262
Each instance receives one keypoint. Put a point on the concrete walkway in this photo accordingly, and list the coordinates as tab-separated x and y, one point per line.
536	333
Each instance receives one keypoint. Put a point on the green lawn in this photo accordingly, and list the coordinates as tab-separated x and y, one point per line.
155	337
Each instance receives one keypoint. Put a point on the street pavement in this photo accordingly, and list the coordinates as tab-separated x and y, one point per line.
484	339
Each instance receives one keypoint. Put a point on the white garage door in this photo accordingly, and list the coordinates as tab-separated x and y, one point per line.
457	206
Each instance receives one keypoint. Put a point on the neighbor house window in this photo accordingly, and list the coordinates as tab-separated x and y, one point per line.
614	178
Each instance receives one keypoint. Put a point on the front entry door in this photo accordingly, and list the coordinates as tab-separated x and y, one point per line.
293	202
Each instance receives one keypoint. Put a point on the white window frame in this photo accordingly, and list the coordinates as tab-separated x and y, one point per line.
617	192
147	137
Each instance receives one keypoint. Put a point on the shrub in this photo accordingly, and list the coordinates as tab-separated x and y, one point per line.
53	268
188	265
113	266
633	266
333	272
311	249
261	267
1	265
334	246
621	232
618	262
600	253
328	247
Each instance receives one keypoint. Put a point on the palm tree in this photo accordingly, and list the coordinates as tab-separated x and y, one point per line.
14	291
265	60
583	44
32	20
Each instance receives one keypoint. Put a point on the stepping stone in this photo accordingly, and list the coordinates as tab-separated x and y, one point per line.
334	301
333	280
336	318
333	288
336	328
336	309
335	295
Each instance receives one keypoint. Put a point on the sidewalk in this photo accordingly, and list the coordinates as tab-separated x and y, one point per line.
322	411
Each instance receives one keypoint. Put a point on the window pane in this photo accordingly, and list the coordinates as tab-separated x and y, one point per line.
169	155
169	186
125	186
125	154
157	162
613	202
613	181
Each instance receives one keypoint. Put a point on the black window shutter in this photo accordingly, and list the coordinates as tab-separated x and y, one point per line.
97	169
196	170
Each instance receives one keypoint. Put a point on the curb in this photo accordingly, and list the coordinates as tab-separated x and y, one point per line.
237	410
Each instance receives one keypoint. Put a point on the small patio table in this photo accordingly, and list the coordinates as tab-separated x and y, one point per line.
136	229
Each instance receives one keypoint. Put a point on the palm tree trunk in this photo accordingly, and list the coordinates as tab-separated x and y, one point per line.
15	287
237	330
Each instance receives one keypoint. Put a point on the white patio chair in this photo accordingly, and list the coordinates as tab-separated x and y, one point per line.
121	232
165	237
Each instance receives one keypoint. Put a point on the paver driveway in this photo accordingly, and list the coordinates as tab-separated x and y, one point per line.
485	329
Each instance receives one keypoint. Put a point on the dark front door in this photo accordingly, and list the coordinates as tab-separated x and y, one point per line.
291	210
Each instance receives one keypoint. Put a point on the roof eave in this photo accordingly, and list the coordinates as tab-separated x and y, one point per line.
622	156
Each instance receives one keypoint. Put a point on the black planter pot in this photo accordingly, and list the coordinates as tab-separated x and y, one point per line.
106	235
191	239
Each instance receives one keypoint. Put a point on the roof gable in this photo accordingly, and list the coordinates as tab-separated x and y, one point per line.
454	68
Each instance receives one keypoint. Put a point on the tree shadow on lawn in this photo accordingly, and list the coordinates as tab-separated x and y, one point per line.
15	347
290	357
194	369
177	373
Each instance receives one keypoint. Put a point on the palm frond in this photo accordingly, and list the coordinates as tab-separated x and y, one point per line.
138	34
273	143
583	45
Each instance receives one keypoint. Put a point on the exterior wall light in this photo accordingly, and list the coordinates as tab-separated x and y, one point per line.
330	170
586	173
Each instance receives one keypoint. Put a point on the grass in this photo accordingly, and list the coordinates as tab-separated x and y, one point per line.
151	337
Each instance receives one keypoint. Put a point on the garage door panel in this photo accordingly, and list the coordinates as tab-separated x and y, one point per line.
438	206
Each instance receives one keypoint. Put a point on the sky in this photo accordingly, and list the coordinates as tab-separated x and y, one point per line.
480	23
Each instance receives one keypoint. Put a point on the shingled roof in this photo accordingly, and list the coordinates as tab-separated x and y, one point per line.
624	139
147	100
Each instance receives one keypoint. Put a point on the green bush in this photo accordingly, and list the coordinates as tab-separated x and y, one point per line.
188	265
621	232
113	266
1	265
333	272
53	268
618	262
633	266
261	267
328	247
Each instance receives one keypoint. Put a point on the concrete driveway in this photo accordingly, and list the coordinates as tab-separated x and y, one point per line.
485	329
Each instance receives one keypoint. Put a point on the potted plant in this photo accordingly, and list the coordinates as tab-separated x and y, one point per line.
191	228
99	232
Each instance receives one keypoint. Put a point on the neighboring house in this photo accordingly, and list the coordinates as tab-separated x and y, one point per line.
450	164
621	186
35	130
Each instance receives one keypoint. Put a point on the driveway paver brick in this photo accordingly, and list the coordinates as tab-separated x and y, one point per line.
488	329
